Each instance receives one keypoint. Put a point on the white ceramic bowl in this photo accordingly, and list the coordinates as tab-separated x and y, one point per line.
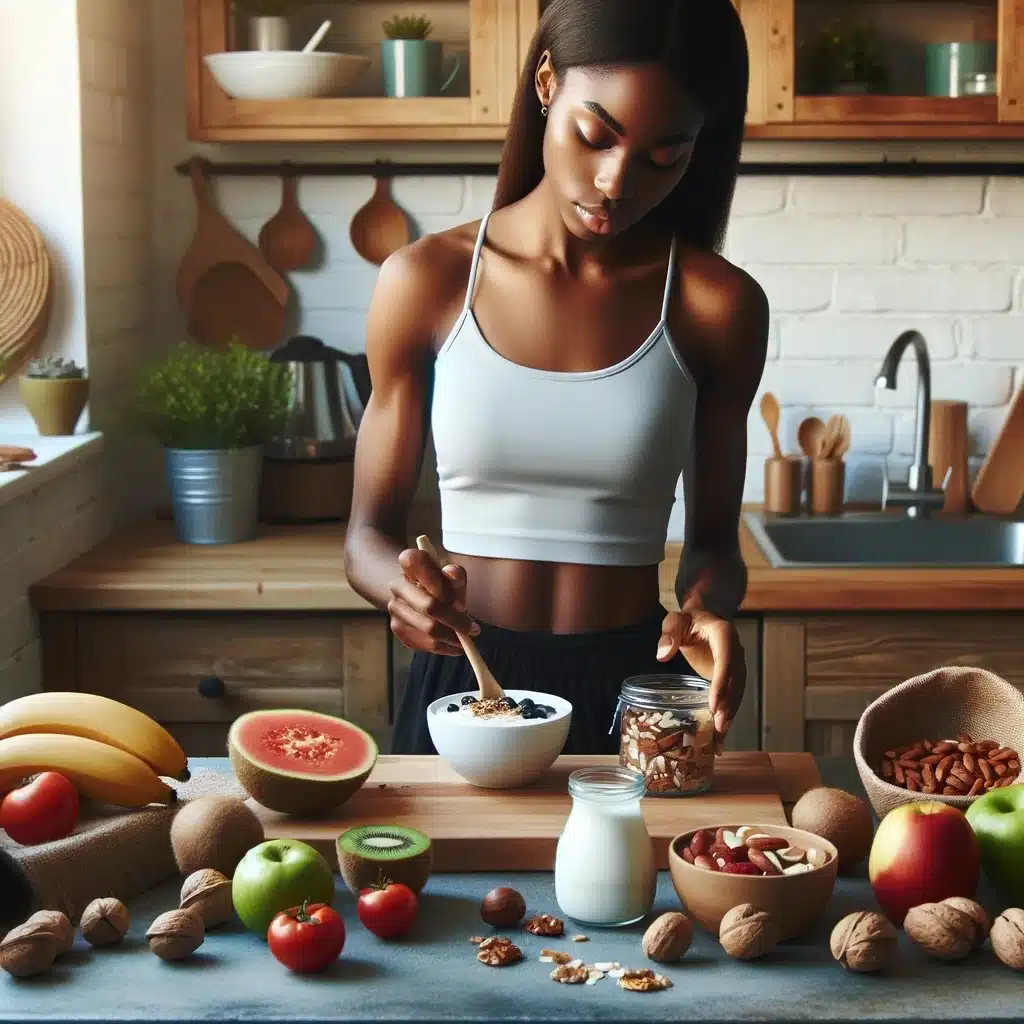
496	756
284	74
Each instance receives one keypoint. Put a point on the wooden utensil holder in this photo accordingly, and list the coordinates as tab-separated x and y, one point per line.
782	485
826	487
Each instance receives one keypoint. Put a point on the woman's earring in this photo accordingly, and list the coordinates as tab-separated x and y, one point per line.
543	111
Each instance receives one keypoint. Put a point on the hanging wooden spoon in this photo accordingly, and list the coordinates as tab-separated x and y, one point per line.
288	240
809	435
489	688
770	415
380	227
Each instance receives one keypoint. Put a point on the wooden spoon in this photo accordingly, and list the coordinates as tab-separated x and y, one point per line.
489	688
809	434
288	240
770	415
842	445
832	436
380	227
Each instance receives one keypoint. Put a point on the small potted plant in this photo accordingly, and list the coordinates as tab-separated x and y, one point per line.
54	391
844	58
269	28
213	411
412	63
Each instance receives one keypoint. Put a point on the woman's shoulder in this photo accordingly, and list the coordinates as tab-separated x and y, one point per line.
434	264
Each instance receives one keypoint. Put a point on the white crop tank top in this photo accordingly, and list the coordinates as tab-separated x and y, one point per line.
551	466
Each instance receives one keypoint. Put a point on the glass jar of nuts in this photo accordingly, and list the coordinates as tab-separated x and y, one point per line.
667	733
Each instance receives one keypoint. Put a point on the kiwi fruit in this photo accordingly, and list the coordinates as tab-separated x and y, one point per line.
841	818
368	852
214	832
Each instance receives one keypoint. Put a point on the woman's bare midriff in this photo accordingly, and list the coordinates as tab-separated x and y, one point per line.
547	597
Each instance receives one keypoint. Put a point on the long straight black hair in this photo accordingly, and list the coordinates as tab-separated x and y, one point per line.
700	42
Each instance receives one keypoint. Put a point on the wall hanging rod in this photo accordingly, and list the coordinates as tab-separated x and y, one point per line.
386	168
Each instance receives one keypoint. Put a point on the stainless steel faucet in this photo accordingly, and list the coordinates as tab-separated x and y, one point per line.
917	496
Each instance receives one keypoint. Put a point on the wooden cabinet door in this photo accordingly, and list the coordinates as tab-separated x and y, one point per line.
1010	57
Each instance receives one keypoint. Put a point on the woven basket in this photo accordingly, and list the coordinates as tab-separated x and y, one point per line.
937	705
26	289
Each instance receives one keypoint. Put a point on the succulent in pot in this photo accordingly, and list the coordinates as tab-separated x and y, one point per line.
412	63
213	411
54	391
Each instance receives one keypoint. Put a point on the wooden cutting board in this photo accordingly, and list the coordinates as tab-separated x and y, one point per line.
517	830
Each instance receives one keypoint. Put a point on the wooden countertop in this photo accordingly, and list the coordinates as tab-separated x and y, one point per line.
301	568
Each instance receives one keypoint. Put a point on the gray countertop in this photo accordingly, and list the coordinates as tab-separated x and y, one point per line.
432	974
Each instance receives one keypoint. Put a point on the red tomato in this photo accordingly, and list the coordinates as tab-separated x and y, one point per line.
307	939
40	811
387	909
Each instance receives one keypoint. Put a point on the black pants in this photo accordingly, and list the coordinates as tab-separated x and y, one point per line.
586	669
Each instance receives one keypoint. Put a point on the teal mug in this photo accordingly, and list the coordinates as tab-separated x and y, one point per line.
949	67
415	67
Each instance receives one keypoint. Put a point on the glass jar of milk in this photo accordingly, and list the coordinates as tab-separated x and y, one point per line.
605	872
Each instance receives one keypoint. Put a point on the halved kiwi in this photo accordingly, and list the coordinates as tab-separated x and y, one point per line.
367	853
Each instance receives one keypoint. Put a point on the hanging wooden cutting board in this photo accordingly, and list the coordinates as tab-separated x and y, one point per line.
224	284
26	289
475	829
999	485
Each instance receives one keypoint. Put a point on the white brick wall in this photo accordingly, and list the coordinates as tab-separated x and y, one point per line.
44	530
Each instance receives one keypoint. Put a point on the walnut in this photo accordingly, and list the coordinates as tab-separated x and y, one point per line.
864	941
976	913
643	980
209	892
545	924
105	922
570	975
748	932
498	952
1008	937
554	956
668	938
60	924
28	949
502	907
176	933
940	930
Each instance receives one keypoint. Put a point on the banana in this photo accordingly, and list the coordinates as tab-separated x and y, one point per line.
97	770
95	717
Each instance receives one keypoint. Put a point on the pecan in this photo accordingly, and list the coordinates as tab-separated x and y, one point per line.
545	924
498	952
643	980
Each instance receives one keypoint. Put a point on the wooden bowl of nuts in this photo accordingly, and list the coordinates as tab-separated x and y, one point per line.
785	871
951	735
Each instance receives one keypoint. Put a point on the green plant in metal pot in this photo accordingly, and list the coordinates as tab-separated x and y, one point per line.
844	56
213	411
407	26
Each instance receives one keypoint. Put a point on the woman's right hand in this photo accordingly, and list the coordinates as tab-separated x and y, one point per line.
428	605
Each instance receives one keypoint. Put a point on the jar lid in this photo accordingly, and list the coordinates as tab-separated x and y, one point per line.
666	690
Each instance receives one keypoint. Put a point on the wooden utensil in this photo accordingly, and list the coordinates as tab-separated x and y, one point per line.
770	415
836	438
380	227
947	452
288	239
809	435
999	485
229	278
489	688
26	289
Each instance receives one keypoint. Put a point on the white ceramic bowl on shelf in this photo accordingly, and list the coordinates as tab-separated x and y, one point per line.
284	74
493	755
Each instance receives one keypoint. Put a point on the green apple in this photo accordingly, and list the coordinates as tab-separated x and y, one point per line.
998	821
276	875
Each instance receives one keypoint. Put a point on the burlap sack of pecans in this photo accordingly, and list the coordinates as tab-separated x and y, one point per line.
112	852
937	705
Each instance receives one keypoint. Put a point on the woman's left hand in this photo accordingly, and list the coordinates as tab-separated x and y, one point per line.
712	647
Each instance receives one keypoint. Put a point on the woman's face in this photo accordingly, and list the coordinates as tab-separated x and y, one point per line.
618	141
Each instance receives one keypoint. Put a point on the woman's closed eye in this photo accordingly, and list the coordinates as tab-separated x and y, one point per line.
666	158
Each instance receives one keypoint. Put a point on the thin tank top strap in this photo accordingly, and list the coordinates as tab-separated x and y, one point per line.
669	279
477	249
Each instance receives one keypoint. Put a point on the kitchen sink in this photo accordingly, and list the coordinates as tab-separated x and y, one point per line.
884	540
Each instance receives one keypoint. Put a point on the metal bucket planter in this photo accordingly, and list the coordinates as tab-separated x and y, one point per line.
215	493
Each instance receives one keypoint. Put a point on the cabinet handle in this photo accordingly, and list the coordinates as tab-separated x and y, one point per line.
211	687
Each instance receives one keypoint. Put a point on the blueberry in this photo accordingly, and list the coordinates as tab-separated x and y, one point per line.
526	702
547	707
469	699
511	703
453	707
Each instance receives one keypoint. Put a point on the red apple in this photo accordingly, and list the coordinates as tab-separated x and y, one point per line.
922	853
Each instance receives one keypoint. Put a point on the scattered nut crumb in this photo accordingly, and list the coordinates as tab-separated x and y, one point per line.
476	939
594	976
545	924
643	980
570	975
580	938
554	956
498	952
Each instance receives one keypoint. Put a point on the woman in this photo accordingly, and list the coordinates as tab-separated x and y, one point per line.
574	352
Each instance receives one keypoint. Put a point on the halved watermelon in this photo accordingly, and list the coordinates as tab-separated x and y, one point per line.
299	762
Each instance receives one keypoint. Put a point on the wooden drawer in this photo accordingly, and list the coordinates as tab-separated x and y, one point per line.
156	662
821	672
